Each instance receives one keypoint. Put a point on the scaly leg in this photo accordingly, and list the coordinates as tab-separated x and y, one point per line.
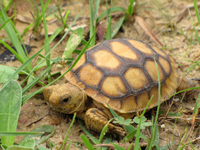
95	120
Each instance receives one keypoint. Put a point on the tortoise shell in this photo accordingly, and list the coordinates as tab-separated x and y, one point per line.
122	73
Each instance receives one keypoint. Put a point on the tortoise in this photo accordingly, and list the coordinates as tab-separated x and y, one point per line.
118	72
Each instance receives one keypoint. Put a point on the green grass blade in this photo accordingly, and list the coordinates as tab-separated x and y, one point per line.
92	26
65	19
65	139
6	133
27	97
26	29
87	142
197	106
47	48
15	39
22	66
96	9
137	140
192	88
196	11
32	83
12	34
103	132
111	10
117	26
118	147
108	33
44	132
4	23
130	8
195	30
94	139
158	109
8	5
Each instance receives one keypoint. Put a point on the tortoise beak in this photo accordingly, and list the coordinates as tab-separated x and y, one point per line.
48	91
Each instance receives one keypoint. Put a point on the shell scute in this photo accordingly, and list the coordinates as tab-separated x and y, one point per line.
122	73
136	79
113	86
90	75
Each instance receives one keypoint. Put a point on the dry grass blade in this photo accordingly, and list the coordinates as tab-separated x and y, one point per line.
192	5
181	15
185	12
147	29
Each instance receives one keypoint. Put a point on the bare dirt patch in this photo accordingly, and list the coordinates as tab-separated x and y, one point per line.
170	21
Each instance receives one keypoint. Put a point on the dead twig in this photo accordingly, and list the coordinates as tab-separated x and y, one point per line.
147	29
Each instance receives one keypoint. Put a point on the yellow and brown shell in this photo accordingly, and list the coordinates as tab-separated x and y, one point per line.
123	74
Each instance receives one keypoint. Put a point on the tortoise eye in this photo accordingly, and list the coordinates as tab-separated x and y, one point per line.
65	100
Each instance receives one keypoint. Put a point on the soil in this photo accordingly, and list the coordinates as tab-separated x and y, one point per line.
170	21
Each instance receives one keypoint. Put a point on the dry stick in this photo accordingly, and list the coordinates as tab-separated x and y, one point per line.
147	29
181	15
185	11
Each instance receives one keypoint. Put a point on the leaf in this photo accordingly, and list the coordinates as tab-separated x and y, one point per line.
117	26
73	42
121	121
143	123
15	147
28	143
156	141
10	104
87	142
6	72
93	139
137	119
46	131
103	132
118	147
42	148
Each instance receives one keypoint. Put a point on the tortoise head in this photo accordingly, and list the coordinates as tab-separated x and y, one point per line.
65	98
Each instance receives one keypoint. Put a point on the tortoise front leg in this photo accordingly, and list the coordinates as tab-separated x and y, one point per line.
95	120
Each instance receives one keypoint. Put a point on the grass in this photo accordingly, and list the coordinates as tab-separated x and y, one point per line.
12	101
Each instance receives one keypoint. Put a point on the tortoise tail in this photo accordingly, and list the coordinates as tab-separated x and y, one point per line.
189	83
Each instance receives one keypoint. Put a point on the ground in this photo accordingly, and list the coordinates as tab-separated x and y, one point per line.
172	23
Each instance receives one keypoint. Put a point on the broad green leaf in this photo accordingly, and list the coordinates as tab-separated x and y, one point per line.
29	143
25	145
42	148
10	104
143	123
6	72
74	40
